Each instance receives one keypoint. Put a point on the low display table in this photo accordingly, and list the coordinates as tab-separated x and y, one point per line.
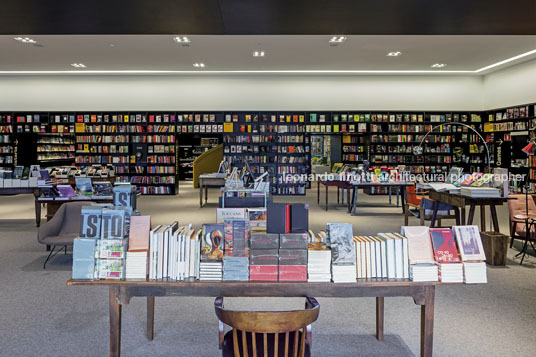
461	202
209	180
357	185
121	291
336	183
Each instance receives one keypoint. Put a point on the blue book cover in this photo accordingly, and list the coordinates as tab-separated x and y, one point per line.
83	259
90	222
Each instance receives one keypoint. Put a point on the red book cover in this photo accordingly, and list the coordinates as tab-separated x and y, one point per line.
445	250
263	277
79	118
263	269
293	273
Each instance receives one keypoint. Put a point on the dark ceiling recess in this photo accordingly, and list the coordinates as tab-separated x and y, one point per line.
269	17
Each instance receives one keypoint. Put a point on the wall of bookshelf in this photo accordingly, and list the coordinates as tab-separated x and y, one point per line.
6	141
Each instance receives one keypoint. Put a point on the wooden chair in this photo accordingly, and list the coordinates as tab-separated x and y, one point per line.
267	333
416	205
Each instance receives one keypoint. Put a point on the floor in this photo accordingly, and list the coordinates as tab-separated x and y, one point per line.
40	315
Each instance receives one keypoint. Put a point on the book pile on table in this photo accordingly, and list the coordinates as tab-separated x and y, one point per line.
472	253
264	257
319	262
446	256
102	236
343	266
138	247
293	256
434	254
480	192
212	245
382	256
422	266
236	233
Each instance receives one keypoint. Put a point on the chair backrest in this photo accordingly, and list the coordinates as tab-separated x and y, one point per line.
411	195
269	322
71	216
517	204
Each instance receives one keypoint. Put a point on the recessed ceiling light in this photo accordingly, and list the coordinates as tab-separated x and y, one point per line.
25	40
336	40
394	54
199	64
183	40
78	65
258	54
438	65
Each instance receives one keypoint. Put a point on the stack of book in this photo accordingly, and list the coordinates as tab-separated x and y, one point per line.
293	256
264	257
343	266
212	246
422	266
107	228
472	253
138	247
446	256
480	192
396	255
235	268
319	263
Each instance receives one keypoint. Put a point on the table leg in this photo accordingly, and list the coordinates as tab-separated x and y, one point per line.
389	190
150	317
200	193
354	202
37	213
318	191
348	207
471	215
327	197
463	216
457	214
403	198
379	317
338	194
434	215
494	218
427	322
115	322
206	194
482	218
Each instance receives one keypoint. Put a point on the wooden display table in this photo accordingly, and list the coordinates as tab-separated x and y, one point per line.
336	183
460	201
356	185
206	181
120	293
23	190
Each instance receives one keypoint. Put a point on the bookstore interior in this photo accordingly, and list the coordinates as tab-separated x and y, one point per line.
341	170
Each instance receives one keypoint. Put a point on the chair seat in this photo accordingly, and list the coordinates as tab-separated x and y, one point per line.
61	239
228	347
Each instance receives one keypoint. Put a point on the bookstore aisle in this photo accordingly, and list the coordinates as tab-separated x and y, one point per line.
463	321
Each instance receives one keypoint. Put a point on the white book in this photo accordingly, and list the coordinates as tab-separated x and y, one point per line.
358	259
391	257
186	253
405	256
166	238
363	259
399	256
193	242
383	252
153	248
377	249
371	258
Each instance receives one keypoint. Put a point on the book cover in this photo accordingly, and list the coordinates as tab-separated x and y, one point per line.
103	189
293	240
264	241
257	217
83	186
212	243
229	213
66	190
445	250
140	226
90	222
236	234
276	218
83	259
299	217
124	195
469	242
113	223
341	238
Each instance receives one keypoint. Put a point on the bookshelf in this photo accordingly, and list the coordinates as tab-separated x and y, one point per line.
198	132
6	141
56	141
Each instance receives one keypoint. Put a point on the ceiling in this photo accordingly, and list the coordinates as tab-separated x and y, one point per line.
294	53
270	17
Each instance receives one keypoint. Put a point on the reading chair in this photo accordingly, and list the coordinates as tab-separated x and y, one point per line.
267	333
420	206
62	229
517	207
